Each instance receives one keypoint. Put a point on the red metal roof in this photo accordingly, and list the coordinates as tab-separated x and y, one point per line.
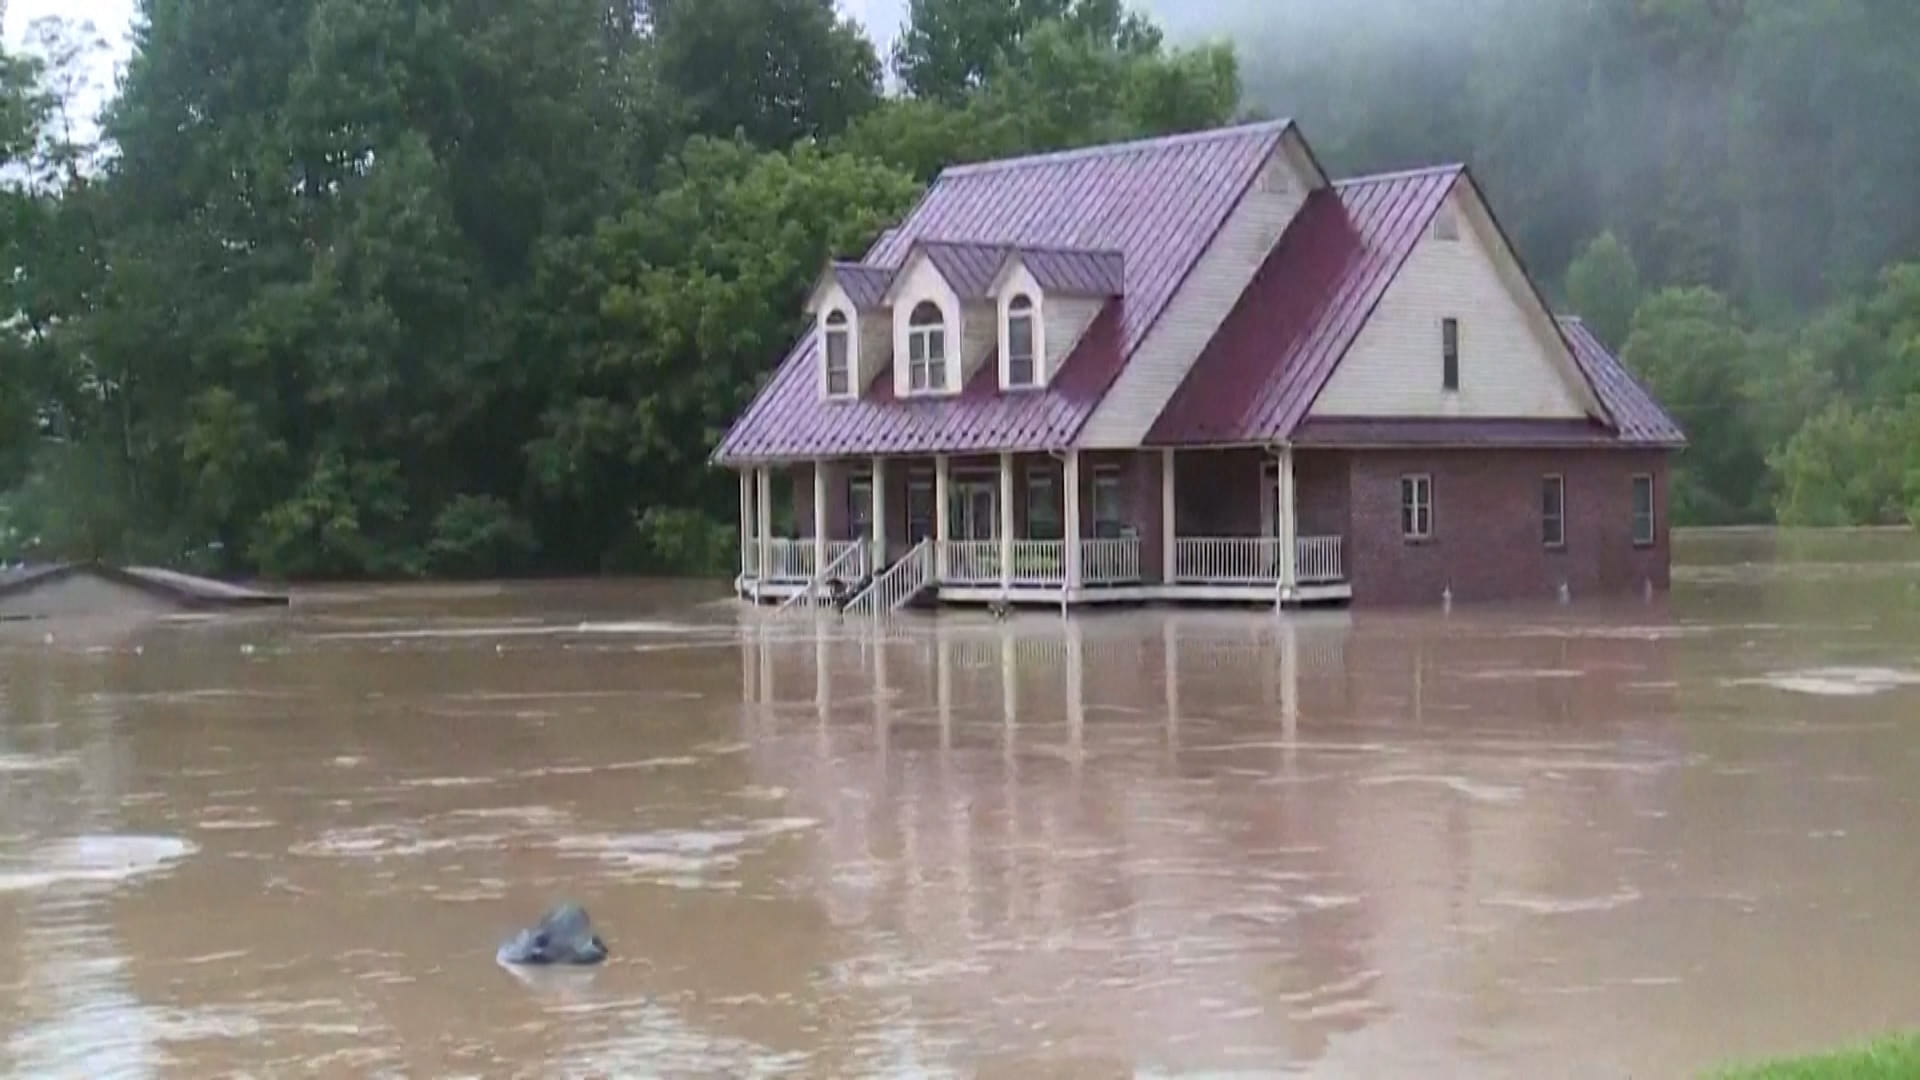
980	419
1157	204
865	285
1639	417
1256	380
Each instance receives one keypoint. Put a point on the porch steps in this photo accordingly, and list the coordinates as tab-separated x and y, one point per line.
898	587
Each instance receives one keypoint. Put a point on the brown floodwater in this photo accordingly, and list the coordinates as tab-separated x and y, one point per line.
1595	840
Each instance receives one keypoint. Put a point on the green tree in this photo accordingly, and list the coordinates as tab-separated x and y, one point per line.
1847	467
771	70
658	328
1603	285
1689	346
950	48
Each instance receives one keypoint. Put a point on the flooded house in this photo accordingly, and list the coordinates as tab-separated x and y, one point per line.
1197	369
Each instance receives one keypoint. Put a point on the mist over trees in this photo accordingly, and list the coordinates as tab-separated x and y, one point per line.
356	287
1724	188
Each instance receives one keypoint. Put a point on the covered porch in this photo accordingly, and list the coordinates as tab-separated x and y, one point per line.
1222	526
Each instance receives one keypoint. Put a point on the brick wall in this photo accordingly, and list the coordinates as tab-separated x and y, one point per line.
1487	541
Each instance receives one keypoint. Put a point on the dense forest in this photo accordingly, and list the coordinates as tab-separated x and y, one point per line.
455	287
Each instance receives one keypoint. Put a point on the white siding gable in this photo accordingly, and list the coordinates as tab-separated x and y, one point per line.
876	345
978	340
1162	361
1513	363
922	282
1064	322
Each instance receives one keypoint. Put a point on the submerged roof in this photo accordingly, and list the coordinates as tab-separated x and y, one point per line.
182	590
1155	205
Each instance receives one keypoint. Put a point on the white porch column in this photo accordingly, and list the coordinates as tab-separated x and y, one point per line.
941	514
1288	527
747	570
1005	523
1072	496
879	514
819	518
763	516
1170	533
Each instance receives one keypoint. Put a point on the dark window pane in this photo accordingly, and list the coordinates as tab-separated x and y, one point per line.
1450	354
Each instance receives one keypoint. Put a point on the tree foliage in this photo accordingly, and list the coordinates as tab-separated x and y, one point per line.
459	287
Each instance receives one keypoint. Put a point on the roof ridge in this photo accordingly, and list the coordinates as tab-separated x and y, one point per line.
1402	174
1134	146
1016	247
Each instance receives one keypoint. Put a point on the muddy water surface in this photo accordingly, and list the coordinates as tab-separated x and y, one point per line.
1606	841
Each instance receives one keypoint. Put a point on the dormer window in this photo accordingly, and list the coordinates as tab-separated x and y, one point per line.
839	355
926	348
1020	342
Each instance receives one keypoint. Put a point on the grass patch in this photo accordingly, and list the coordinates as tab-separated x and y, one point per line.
1897	1058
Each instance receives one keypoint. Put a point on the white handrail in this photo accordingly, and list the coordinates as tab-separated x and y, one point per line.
850	553
1227	561
897	587
971	562
1110	562
1256	560
1039	562
1320	560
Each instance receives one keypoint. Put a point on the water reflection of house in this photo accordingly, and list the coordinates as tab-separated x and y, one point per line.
1194	840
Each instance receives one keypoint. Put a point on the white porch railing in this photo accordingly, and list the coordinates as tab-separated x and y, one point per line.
1320	561
1236	561
1039	562
897	587
970	562
1256	561
797	561
1110	562
790	561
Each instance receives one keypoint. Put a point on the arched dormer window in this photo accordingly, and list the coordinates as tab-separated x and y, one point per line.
1022	370
839	354
926	348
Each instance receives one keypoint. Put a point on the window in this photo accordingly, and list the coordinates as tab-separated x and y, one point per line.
1416	507
839	347
1020	338
1450	354
1643	511
1106	502
919	509
926	348
860	505
1553	511
1043	505
1446	225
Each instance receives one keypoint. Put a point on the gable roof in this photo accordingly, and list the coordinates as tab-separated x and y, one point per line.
1155	205
1257	380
